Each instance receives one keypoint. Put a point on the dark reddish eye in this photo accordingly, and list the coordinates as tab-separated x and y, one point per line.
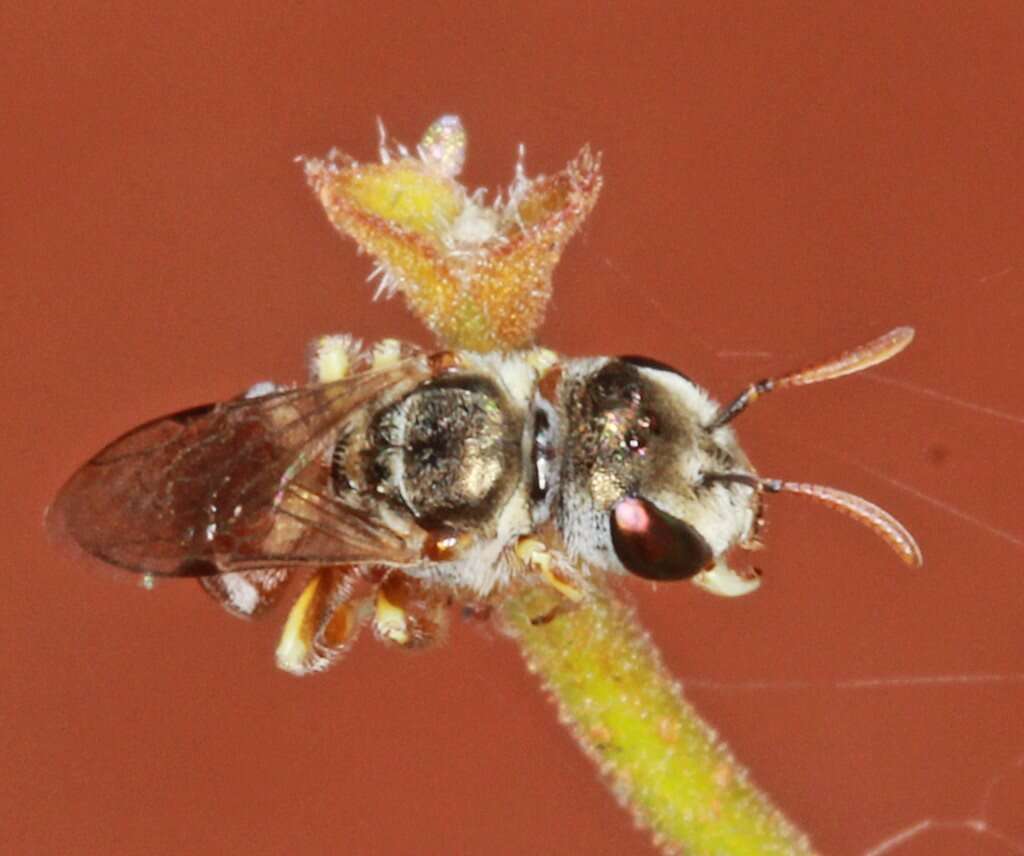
655	545
615	385
656	365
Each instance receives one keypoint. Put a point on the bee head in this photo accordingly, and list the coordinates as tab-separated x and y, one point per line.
654	482
633	491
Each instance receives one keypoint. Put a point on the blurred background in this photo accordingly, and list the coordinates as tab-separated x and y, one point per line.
781	184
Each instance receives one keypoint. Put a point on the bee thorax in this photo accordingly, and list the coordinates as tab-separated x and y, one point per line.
447	452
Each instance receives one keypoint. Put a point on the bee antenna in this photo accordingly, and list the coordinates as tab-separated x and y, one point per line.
880	521
848	362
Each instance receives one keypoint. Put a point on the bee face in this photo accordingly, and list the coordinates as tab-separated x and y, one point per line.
637	448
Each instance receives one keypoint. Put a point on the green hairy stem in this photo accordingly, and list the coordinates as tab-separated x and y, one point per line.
661	759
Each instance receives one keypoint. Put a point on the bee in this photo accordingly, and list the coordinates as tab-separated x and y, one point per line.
401	482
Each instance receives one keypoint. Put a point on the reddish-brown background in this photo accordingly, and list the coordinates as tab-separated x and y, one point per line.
780	184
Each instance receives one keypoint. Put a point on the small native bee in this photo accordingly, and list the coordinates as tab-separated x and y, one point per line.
408	481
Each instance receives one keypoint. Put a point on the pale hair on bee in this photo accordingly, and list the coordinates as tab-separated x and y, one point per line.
401	482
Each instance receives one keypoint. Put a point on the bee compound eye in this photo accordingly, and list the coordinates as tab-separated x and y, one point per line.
652	364
655	545
617	384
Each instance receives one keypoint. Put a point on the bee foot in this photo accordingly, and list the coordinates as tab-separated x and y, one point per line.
390	621
537	557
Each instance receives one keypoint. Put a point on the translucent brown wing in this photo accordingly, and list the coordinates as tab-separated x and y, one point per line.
235	486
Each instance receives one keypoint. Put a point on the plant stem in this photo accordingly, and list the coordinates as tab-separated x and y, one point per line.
661	759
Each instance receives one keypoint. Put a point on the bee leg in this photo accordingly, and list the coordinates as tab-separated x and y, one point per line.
323	621
387	352
536	556
337	356
246	594
332	357
407	613
477	611
722	580
390	621
560	608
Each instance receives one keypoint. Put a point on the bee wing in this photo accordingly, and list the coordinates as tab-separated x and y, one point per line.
236	486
